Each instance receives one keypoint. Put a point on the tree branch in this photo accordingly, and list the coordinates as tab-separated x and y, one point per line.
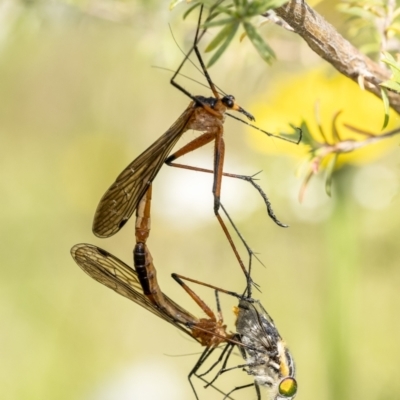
323	38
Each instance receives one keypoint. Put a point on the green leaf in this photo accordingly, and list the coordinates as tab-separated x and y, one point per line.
389	59
259	7
329	174
174	3
193	7
220	22
335	132
222	35
391	85
386	106
229	33
394	66
266	53
220	8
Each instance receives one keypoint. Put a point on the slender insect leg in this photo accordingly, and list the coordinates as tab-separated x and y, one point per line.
206	353
226	396
198	37
218	303
219	156
179	278
195	297
237	255
225	354
247	178
195	144
232	368
244	387
203	67
204	356
219	150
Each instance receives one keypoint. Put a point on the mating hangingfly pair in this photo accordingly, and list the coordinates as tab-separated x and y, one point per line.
266	357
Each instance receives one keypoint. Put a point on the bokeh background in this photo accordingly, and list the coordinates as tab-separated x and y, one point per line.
80	100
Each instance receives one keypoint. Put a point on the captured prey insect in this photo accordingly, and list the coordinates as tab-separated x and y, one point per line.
266	356
204	114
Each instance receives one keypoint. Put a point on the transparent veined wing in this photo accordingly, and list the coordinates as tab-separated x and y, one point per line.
120	201
108	270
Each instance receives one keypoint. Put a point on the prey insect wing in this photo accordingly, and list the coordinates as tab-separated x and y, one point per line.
116	275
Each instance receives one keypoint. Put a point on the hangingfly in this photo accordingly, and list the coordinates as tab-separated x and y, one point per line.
204	114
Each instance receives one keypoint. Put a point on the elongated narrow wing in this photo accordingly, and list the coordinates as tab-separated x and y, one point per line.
121	199
116	275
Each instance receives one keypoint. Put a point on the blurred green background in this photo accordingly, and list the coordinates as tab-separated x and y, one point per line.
80	100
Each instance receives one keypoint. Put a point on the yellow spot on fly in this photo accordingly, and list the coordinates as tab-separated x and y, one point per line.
236	312
288	387
284	367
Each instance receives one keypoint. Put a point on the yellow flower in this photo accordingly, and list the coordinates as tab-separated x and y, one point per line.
340	101
294	101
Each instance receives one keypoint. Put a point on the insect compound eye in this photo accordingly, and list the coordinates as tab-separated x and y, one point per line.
229	101
288	387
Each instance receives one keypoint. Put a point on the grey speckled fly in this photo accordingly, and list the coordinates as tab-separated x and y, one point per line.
268	359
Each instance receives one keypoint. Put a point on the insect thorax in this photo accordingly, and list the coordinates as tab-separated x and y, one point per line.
205	121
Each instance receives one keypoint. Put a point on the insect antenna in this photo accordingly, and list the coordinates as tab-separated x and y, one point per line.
269	133
184	76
